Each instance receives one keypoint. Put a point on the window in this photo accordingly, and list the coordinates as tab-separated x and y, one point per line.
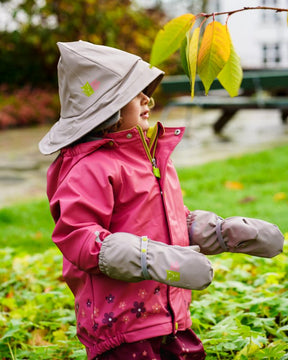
270	16
271	54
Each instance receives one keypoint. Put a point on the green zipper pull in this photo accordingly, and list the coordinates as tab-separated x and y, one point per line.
156	170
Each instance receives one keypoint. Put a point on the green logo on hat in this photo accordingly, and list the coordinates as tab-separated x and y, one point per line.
87	89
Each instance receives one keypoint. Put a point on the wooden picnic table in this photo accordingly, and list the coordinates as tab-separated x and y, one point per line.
260	89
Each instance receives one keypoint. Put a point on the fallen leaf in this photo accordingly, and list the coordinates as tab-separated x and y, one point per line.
280	196
38	235
247	199
234	185
37	338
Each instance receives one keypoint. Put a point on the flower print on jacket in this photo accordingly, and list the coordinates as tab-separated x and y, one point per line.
122	305
142	293
156	308
125	319
157	290
109	319
110	298
95	312
138	309
95	326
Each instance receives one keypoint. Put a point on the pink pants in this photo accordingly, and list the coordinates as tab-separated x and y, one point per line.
183	345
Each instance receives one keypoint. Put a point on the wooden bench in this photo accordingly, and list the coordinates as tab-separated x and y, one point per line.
260	89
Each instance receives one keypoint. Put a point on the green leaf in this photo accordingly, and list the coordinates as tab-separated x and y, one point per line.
192	56
248	350
275	350
232	74
169	39
214	52
183	56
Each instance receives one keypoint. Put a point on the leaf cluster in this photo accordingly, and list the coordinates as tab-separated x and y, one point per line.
36	308
210	56
204	50
244	313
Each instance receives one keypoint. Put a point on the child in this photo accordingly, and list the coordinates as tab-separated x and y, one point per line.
119	213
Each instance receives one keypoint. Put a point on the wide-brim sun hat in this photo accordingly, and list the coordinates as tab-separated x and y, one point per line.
95	83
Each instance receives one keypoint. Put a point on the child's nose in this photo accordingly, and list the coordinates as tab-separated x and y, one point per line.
145	99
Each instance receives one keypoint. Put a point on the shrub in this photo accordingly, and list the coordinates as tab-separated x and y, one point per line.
27	106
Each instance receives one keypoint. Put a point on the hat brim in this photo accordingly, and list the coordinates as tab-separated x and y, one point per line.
66	131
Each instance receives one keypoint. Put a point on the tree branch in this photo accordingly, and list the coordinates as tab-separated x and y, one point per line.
243	9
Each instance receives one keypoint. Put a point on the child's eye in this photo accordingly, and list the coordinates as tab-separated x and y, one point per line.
151	103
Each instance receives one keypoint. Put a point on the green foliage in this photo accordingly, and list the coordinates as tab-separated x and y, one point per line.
243	314
30	55
208	55
231	75
170	38
36	308
216	54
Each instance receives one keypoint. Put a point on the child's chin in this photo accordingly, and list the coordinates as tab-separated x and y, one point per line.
144	124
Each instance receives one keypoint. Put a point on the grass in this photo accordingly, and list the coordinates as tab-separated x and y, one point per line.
26	227
242	315
253	185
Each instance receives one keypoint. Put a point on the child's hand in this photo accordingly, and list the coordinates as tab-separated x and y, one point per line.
235	234
132	258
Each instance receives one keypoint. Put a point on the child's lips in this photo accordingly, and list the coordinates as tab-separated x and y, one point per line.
145	115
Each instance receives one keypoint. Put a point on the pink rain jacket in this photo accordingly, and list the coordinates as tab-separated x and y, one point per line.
107	186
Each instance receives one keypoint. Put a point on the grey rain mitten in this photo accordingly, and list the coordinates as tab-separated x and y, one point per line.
235	234
132	258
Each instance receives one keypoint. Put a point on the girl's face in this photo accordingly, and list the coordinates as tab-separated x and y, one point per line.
136	112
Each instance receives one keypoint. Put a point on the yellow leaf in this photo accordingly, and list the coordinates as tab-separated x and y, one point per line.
169	39
234	185
59	335
280	196
214	52
192	58
275	278
249	349
38	235
231	75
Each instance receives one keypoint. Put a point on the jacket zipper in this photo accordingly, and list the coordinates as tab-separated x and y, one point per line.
151	157
156	172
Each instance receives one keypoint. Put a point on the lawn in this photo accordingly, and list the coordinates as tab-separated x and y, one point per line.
242	315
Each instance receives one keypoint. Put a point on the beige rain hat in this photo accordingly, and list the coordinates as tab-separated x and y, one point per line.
95	82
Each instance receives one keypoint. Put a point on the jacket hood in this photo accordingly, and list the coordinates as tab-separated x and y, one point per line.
95	82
